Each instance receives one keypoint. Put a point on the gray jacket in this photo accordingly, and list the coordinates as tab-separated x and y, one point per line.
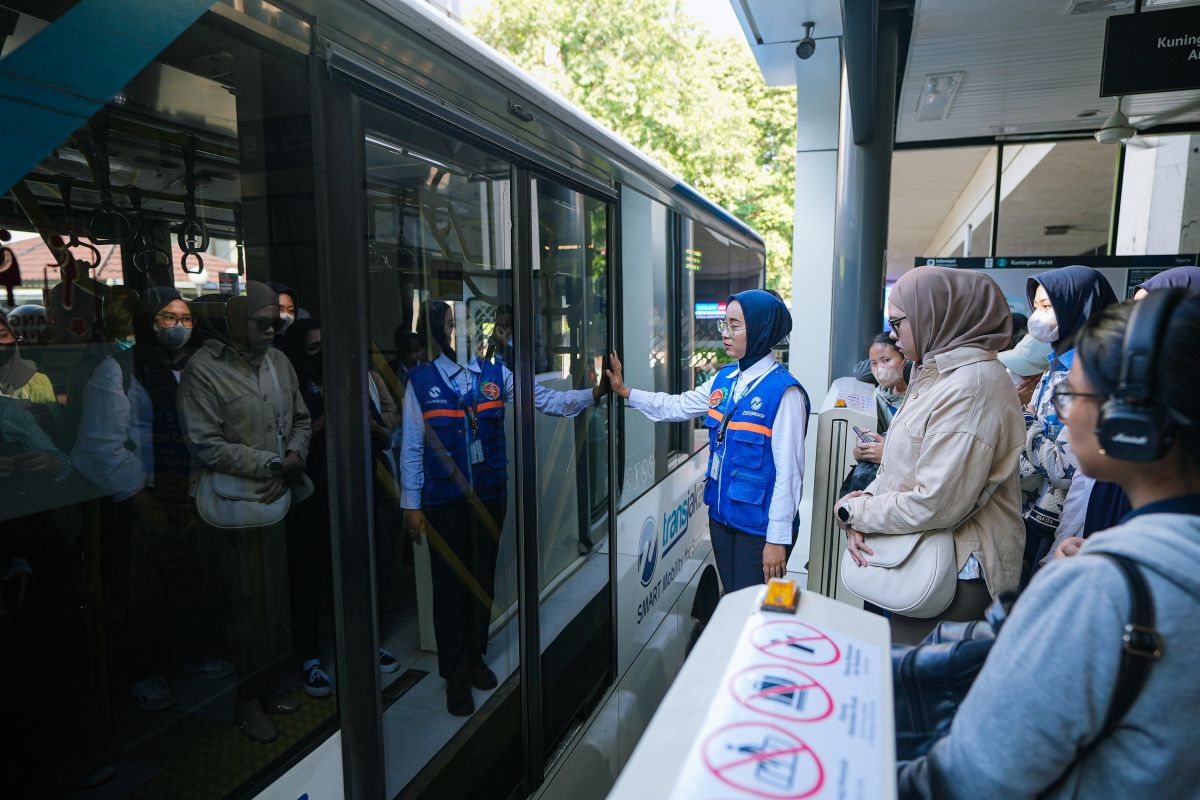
1046	687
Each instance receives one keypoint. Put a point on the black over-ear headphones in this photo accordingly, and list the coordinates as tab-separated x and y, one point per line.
1133	426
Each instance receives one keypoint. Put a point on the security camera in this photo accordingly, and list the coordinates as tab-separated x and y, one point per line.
807	45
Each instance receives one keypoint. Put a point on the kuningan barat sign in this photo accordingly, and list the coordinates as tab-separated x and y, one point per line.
1151	51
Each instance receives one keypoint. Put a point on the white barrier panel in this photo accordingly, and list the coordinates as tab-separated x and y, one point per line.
848	403
774	705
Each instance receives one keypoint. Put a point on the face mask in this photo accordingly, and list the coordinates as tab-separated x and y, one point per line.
173	337
886	376
285	322
127	344
1014	377
6	352
1043	325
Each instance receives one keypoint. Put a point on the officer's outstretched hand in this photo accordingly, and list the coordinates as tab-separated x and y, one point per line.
616	376
602	389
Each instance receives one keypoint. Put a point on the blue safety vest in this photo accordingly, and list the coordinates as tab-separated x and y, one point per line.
454	424
741	466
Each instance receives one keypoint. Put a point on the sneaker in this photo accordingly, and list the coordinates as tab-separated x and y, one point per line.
153	693
387	661
316	680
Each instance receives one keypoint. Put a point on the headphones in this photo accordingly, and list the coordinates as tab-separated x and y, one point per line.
1133	426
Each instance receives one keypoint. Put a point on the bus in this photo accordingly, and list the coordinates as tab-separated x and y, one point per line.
377	167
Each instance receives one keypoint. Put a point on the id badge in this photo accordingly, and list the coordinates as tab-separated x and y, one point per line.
714	467
476	450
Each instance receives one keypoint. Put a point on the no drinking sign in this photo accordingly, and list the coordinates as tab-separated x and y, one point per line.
798	714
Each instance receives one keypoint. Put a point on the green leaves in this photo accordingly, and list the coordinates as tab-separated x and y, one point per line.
694	102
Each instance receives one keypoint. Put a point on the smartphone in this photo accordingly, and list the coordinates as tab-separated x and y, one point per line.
862	436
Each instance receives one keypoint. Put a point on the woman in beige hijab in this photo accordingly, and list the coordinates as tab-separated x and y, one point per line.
950	458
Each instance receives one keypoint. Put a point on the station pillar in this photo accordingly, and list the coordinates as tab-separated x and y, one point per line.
861	229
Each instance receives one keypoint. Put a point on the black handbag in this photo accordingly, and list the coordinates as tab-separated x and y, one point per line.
859	478
931	679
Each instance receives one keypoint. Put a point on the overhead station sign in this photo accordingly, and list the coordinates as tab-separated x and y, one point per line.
1154	51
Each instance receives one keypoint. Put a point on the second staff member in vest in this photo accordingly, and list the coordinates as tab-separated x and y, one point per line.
756	414
454	484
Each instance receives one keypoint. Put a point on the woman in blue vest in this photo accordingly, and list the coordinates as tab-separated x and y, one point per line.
756	425
454	484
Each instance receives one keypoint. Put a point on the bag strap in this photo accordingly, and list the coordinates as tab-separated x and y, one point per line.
1141	646
278	404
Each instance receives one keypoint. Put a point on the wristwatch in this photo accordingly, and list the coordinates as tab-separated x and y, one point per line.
275	466
843	514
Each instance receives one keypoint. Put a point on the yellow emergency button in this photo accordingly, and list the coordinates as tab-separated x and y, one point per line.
839	403
782	595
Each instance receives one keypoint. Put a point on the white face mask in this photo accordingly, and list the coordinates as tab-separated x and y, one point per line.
1043	325
887	377
285	322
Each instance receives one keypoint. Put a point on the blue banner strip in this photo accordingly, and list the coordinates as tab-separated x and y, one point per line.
57	80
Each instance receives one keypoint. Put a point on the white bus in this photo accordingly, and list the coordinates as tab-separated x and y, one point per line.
368	158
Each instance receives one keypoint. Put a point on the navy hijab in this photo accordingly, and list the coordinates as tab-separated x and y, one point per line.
767	322
1179	277
1076	293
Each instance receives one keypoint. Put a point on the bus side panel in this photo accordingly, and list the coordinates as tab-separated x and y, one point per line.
662	539
590	769
318	775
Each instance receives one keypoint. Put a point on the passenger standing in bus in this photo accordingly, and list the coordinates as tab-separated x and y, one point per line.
243	415
756	426
950	461
454	487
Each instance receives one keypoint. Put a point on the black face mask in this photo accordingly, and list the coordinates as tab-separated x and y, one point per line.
6	352
313	362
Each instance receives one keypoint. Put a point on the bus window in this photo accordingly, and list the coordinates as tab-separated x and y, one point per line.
146	405
571	302
439	282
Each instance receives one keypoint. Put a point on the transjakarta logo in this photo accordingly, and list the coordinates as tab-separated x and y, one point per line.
435	391
647	551
756	403
650	546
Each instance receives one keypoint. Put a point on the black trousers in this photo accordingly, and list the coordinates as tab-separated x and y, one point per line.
462	562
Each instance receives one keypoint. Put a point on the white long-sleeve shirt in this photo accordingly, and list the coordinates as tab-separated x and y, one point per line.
108	423
787	436
412	448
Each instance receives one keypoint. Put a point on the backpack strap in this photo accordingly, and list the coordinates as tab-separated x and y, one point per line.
1141	646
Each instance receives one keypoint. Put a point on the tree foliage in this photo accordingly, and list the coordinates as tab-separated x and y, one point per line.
694	102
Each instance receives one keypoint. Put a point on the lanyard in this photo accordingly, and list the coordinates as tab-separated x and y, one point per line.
465	401
726	417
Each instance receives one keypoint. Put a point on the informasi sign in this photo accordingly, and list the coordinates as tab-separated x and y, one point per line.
661	540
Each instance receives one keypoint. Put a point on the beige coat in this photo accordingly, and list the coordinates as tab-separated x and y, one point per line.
953	449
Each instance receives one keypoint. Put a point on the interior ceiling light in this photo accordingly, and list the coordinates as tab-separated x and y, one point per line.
937	93
1091	112
1098	6
1056	230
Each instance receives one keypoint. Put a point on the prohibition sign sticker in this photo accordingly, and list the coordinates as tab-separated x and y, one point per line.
763	760
796	642
782	692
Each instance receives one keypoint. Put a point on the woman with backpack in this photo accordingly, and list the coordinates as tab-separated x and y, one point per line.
1083	693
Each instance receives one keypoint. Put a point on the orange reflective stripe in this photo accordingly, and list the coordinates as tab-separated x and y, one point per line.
750	426
490	404
715	415
443	412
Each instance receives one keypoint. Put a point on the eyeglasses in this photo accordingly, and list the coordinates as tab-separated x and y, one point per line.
1064	399
894	323
170	320
265	325
726	329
